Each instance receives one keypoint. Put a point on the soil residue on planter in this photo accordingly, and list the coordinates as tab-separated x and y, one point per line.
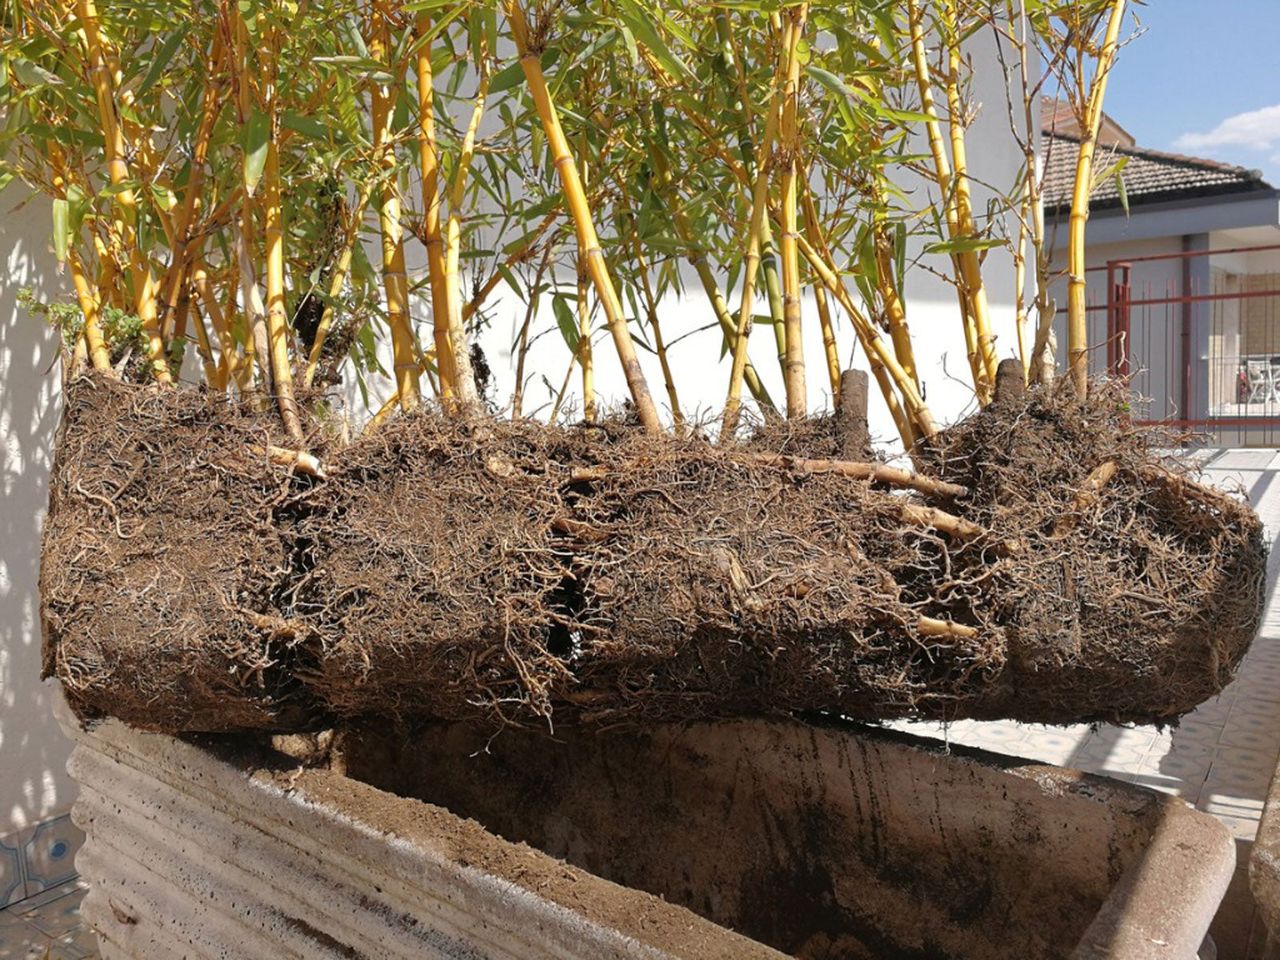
520	574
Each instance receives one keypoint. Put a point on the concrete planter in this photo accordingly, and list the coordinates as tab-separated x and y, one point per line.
1264	869
821	842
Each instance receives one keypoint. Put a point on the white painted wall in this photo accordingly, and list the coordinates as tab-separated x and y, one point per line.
702	379
33	751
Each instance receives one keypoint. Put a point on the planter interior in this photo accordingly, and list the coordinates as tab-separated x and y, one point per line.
739	840
836	841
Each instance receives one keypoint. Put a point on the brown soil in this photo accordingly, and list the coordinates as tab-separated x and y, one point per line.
516	573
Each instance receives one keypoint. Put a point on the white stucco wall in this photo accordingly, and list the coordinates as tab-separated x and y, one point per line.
33	751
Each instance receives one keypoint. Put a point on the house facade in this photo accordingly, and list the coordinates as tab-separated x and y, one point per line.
1184	279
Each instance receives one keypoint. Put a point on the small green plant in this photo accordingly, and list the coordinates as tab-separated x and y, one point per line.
121	331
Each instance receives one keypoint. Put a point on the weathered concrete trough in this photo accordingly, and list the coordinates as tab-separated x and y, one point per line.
744	840
1264	869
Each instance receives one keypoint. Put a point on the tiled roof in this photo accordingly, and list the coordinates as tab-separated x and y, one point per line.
1149	176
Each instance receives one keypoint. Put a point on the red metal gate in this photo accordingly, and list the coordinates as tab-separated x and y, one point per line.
1198	335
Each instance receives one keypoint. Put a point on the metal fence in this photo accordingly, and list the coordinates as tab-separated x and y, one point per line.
1200	342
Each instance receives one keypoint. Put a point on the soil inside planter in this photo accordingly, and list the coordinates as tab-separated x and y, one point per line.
520	574
825	842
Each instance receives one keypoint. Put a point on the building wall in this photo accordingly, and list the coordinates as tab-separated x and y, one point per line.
34	787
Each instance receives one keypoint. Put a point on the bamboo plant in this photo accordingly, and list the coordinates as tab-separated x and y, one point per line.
300	194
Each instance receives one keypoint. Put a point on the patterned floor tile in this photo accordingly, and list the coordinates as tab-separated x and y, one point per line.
55	917
46	932
49	856
12	877
21	941
47	896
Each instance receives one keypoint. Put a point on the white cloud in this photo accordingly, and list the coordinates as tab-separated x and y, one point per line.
1255	130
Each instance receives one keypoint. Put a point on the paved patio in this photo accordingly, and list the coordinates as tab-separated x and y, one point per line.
47	927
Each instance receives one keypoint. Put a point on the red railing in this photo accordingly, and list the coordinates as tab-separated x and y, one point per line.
1201	343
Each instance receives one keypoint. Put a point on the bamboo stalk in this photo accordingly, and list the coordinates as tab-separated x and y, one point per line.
873	343
464	377
697	257
179	261
755	239
588	241
902	418
820	300
430	168
211	374
273	239
943	177
227	365
515	256
793	367
522	346
970	268
1020	283
96	350
126	204
586	361
659	343
1077	325
395	281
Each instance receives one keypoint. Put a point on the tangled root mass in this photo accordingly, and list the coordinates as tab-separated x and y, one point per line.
515	573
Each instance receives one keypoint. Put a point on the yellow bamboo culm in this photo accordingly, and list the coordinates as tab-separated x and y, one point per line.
277	312
96	350
698	260
144	286
970	266
876	350
588	242
755	237
793	367
820	301
395	281
1077	325
885	251
944	178
585	358
228	365
179	264
464	378
429	161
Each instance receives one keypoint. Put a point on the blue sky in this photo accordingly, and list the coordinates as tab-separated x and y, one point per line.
1204	79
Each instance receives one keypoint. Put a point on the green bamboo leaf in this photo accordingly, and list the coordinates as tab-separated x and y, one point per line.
647	32
963	245
32	75
566	321
61	229
161	59
254	140
507	78
633	50
306	126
